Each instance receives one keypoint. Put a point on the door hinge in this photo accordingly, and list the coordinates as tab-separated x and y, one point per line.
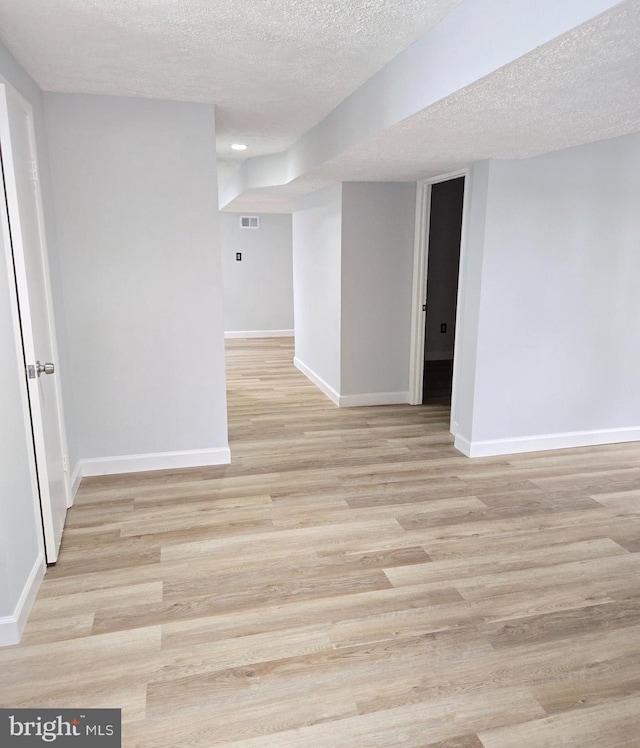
65	463
34	170
31	372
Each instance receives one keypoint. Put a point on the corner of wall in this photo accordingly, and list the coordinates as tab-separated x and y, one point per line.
320	383
11	627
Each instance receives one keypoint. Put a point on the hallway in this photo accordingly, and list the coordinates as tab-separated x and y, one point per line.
350	580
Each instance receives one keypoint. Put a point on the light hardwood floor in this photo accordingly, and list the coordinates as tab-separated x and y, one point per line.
350	580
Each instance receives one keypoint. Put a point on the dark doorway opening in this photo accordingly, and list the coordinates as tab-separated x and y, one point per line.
443	263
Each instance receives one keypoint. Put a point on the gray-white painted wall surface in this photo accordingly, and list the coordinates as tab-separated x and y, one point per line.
558	347
378	226
135	182
317	227
258	290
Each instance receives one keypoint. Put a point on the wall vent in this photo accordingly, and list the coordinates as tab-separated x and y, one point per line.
249	222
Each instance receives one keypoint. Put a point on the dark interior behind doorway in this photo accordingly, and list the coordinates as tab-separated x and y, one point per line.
445	228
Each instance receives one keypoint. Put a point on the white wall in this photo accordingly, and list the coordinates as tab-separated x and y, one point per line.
378	225
557	342
135	191
317	226
258	290
353	255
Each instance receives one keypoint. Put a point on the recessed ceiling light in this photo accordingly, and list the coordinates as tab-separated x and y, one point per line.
239	146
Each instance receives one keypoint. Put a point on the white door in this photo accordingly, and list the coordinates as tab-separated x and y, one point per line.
21	216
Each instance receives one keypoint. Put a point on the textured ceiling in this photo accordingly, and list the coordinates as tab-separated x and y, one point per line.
582	87
274	68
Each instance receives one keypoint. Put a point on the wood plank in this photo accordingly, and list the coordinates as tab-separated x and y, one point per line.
488	563
560	624
615	725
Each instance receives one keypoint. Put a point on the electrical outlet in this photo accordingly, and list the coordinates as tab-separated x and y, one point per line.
443	327
238	256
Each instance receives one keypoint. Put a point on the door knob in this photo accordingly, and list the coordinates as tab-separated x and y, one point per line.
45	368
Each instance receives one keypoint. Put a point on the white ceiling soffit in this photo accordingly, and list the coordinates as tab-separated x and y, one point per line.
274	68
582	86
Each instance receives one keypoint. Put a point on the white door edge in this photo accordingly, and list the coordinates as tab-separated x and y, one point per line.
419	288
20	355
25	322
51	314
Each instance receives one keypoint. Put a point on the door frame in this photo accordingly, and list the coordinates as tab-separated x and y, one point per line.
9	209
419	286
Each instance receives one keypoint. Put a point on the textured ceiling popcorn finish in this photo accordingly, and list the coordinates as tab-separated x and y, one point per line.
581	87
274	68
567	93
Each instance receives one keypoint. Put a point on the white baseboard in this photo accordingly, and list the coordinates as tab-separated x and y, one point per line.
76	477
318	381
493	447
159	461
11	627
462	445
260	334
435	356
351	401
373	398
